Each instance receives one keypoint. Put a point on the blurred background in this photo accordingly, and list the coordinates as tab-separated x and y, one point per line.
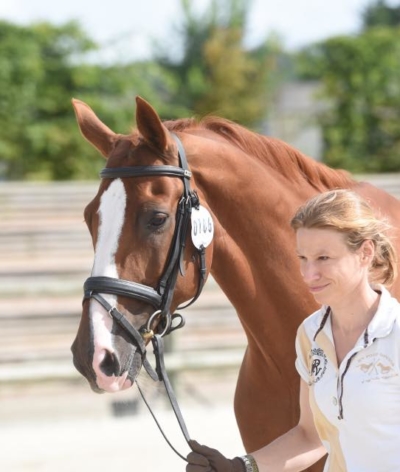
322	77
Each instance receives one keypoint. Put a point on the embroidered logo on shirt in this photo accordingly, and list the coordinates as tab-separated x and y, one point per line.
318	362
376	366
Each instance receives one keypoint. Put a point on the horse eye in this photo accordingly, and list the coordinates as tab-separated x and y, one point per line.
158	220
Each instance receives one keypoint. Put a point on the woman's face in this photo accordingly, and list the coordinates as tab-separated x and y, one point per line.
331	271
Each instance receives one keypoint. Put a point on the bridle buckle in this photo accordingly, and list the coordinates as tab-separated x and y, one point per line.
147	334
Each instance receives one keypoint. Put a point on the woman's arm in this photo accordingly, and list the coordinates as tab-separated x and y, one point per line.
298	448
292	452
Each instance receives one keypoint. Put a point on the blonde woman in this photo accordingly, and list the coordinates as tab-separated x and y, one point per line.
348	352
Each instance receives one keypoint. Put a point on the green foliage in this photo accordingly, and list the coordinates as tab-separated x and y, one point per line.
361	83
380	14
216	73
41	68
35	80
208	70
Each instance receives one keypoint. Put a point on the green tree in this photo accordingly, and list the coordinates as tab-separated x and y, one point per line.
41	68
360	80
216	73
36	77
380	14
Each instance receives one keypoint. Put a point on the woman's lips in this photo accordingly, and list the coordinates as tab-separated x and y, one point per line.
317	288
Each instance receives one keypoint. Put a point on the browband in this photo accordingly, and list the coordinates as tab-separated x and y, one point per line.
140	171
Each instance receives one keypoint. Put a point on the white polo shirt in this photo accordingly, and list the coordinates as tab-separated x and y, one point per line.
356	406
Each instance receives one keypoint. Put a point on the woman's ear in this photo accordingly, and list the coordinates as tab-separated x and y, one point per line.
367	251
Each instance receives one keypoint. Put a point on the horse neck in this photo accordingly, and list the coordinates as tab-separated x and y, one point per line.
254	259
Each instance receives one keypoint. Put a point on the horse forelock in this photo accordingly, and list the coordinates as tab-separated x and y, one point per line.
288	161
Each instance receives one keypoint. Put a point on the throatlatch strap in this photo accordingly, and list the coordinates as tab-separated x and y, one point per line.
184	163
202	278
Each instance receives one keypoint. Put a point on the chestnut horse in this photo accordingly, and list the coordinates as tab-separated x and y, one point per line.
250	185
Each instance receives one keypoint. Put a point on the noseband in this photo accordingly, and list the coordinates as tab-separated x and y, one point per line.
161	296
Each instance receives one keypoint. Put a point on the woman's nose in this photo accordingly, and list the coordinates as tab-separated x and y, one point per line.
310	272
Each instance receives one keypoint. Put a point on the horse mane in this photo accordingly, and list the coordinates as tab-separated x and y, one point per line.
275	153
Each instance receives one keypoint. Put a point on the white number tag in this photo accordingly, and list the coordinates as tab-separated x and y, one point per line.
202	227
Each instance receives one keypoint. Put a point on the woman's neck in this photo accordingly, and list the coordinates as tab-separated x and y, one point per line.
355	314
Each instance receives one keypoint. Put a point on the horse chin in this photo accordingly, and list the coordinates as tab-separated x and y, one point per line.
113	384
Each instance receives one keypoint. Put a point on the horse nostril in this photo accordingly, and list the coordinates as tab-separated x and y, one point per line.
110	365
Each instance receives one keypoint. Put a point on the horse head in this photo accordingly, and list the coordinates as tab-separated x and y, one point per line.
147	261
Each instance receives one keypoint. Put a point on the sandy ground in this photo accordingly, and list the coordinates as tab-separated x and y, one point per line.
67	428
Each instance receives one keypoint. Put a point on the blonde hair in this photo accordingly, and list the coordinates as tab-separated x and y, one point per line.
346	212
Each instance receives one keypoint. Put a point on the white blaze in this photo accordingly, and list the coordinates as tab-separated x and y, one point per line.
112	215
111	219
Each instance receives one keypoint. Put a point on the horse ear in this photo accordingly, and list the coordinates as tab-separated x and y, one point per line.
150	126
94	130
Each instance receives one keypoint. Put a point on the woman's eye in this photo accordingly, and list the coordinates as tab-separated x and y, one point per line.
323	258
158	221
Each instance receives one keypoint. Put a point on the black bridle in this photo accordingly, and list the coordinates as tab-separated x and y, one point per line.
160	297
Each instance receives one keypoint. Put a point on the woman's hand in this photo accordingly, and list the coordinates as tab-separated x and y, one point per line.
205	459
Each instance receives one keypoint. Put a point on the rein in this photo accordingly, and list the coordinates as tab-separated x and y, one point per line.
161	296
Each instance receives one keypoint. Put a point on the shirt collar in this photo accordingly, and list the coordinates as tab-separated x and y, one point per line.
381	324
383	321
